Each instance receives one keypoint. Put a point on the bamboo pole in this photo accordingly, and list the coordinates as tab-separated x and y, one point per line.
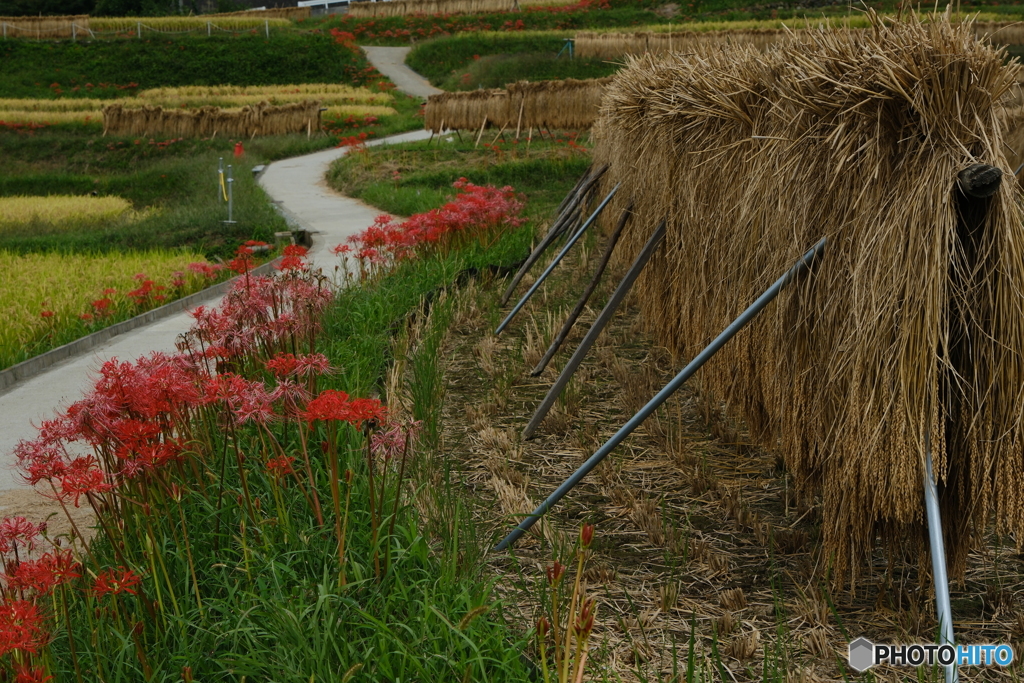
482	125
554	263
595	330
553	232
582	303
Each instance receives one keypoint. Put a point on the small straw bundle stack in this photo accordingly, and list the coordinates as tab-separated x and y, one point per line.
398	8
292	13
45	27
569	104
466	110
598	45
258	119
909	333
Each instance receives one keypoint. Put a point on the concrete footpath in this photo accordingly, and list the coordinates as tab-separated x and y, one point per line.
296	185
390	61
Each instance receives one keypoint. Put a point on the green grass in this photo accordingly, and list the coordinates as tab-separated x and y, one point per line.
40	69
490	60
545	172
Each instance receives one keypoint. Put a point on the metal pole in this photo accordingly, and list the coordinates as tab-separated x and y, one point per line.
207	29
74	32
663	395
557	260
595	330
567	215
231	194
266	24
567	326
138	26
942	606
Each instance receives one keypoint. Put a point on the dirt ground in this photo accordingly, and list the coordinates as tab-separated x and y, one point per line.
695	524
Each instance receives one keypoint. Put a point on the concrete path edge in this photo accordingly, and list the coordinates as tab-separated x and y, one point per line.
36	365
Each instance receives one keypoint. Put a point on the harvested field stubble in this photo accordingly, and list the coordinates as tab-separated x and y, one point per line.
696	525
909	333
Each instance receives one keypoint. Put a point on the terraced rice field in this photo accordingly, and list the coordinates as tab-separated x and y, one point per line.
41	306
62	211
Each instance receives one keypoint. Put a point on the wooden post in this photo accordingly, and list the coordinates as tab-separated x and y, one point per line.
529	138
482	125
595	330
499	135
520	121
582	303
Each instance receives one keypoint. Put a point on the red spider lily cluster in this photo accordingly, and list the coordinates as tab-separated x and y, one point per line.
29	588
243	387
477	212
23	128
143	297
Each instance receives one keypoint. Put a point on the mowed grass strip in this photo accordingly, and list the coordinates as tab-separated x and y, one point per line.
52	298
63	211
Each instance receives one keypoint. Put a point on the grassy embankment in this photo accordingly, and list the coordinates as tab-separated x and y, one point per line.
233	591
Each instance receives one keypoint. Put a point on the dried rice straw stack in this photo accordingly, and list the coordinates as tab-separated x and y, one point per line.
909	331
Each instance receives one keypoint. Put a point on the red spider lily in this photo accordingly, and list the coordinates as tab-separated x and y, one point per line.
115	581
46	314
281	466
20	627
586	535
335	405
390	443
207	270
18	531
34	675
44	574
475	211
288	365
83	477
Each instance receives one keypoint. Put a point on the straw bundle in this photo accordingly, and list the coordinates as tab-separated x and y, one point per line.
292	13
601	45
909	333
596	45
259	119
563	105
44	27
466	110
569	104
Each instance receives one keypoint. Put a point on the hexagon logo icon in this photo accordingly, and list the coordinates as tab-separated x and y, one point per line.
861	655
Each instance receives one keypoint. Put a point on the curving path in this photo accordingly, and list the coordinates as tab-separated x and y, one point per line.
296	185
390	61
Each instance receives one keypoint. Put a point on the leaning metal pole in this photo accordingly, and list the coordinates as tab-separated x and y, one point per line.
595	330
802	265
942	605
557	259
